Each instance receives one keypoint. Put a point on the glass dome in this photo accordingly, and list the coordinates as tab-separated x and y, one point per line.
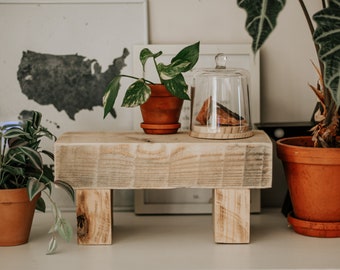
220	102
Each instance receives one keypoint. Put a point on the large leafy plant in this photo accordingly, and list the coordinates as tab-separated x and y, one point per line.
170	75
261	21
22	166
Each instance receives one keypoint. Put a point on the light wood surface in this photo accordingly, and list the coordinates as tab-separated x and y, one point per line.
231	214
95	163
94	217
137	161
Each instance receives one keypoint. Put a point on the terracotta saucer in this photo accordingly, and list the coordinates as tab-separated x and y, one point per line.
160	128
313	228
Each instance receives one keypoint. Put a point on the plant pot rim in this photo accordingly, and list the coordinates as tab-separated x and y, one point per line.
301	142
14	195
159	90
298	149
314	228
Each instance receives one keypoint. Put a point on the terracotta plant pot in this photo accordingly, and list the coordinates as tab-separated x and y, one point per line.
161	112
16	216
313	177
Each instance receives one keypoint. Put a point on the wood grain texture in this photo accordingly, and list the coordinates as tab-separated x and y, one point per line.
231	214
137	161
94	217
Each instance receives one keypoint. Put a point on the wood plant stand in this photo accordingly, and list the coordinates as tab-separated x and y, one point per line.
95	163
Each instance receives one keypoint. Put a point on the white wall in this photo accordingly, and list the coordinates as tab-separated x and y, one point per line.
285	57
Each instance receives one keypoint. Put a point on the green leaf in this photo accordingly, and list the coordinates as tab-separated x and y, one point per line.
54	227
14	155
14	132
327	36
177	87
36	119
41	206
188	54
137	93
48	153
56	214
168	72
16	171
145	54
43	132
33	156
18	141
110	95
46	176
34	187
65	229
52	245
261	18
68	188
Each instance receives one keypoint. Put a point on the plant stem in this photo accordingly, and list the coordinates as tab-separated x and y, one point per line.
311	29
133	77
54	207
159	75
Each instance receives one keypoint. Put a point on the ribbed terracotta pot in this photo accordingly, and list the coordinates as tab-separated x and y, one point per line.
16	216
313	177
161	111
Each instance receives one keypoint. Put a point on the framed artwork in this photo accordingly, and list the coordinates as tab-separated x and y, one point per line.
196	201
57	57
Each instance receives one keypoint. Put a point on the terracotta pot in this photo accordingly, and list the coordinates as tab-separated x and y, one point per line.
16	216
161	112
313	177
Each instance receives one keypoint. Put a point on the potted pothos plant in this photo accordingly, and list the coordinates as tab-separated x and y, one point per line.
160	101
312	164
23	177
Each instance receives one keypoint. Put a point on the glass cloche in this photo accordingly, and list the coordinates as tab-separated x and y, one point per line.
220	102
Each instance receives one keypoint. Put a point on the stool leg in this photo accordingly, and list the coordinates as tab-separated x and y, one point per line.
94	216
231	215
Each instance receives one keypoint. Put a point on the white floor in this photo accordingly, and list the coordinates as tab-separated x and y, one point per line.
177	242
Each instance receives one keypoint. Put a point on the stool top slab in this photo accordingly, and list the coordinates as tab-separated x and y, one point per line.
133	160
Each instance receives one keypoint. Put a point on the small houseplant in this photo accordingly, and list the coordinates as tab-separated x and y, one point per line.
23	176
314	192
142	91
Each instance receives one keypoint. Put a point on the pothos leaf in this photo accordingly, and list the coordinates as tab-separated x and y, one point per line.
168	72
145	54
110	95
177	87
136	94
188	54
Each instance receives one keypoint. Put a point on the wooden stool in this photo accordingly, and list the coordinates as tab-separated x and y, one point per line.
95	163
